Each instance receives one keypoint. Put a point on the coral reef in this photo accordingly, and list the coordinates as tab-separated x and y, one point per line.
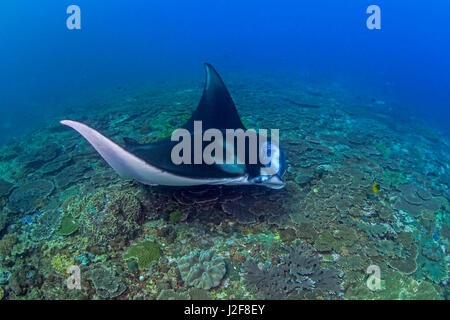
3	220
24	198
6	244
415	200
202	269
299	270
170	294
70	175
106	285
56	165
45	226
23	281
67	226
109	216
61	262
4	276
144	252
396	287
5	188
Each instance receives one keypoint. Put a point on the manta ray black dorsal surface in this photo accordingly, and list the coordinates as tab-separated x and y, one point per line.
216	108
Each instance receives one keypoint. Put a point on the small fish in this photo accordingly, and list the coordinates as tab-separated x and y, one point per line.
376	188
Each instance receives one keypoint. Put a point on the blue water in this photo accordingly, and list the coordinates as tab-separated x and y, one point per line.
46	68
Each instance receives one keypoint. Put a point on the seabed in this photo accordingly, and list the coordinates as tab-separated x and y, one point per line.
365	189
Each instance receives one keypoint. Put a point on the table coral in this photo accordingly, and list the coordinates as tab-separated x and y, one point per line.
55	165
24	198
71	175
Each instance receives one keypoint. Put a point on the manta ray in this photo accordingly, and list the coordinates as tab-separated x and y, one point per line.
152	164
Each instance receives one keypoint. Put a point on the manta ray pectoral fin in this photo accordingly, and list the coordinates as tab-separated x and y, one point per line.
126	164
129	166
